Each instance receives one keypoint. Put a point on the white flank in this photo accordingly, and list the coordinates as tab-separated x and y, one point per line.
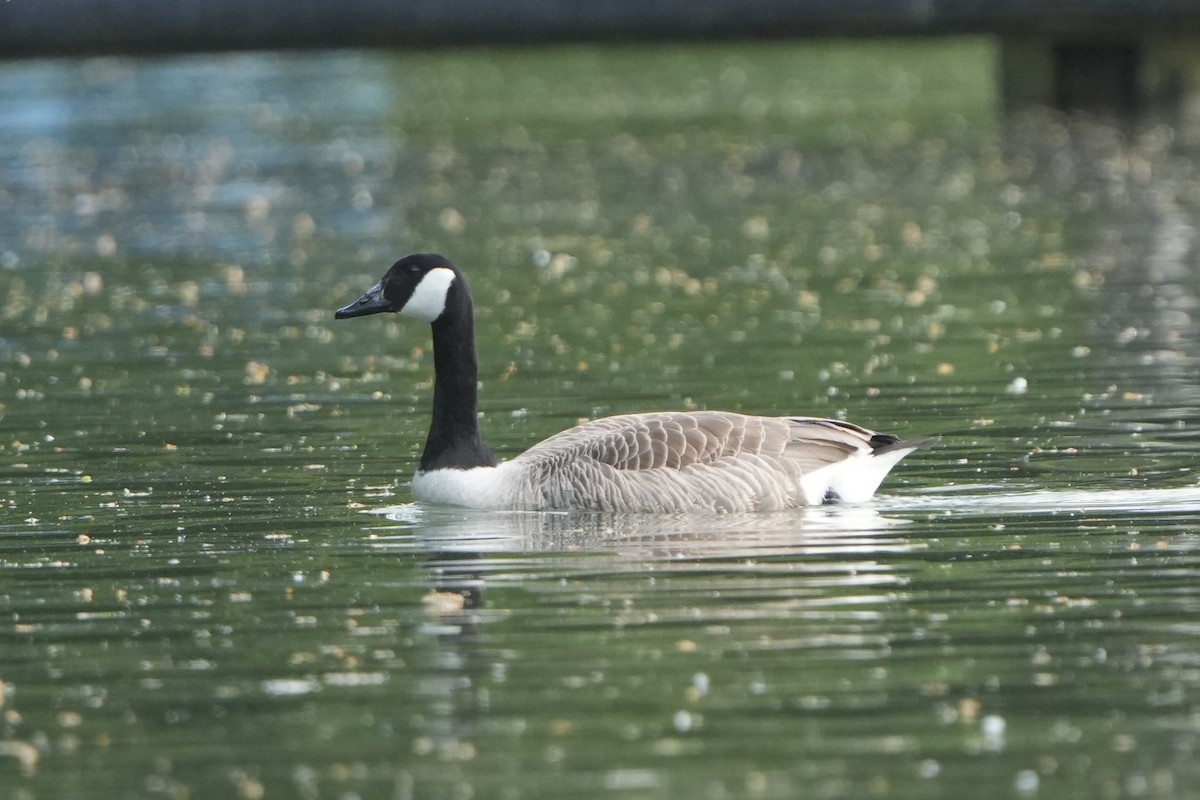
428	300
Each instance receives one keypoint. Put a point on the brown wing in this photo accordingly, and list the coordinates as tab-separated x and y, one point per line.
670	440
817	442
684	461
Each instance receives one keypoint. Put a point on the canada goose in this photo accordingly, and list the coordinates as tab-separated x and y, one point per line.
681	461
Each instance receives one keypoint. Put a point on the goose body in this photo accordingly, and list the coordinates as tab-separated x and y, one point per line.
684	461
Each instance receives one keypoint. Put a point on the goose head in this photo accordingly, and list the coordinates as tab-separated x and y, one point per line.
416	286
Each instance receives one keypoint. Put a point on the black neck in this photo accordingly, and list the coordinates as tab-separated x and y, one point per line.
454	440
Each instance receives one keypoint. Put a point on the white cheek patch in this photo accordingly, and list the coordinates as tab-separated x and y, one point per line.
428	300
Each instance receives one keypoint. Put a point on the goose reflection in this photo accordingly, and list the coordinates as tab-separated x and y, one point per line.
833	546
823	529
510	594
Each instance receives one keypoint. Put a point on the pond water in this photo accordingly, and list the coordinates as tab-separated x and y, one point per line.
214	581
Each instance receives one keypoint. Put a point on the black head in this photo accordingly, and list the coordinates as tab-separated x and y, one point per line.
415	286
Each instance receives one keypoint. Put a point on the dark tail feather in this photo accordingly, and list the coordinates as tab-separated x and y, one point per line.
885	443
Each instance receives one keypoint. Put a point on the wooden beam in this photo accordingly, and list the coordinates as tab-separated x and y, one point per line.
87	27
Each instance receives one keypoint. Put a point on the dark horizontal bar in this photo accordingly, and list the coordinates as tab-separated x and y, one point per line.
83	27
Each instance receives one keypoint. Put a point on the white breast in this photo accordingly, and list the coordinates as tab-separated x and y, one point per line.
484	488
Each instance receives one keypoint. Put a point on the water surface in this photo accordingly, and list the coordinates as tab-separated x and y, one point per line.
214	582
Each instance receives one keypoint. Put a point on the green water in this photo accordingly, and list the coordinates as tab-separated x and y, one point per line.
214	583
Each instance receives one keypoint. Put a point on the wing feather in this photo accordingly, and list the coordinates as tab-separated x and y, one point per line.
687	461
